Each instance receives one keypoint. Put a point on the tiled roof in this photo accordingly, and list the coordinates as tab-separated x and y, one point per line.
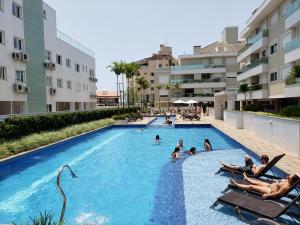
218	47
154	57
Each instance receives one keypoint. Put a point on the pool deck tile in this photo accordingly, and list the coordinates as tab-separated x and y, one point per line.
289	163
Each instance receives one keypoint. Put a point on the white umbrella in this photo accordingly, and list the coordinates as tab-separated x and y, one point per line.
192	102
179	102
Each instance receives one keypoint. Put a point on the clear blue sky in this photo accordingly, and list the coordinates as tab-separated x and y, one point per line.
133	29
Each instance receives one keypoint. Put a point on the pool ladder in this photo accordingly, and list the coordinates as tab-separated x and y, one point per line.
62	192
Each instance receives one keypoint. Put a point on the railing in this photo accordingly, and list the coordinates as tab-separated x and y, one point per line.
74	43
258	87
292	8
191	81
195	67
253	64
254	39
192	95
292	45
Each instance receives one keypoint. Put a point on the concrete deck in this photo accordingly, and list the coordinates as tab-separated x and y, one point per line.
144	122
289	163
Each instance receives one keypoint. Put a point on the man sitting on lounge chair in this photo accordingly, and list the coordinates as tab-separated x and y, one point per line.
249	167
269	190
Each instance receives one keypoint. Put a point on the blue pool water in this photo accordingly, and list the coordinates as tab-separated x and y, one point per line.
124	178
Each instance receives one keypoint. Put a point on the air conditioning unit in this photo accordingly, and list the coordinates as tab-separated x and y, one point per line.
52	91
16	56
20	88
49	65
52	66
26	89
24	57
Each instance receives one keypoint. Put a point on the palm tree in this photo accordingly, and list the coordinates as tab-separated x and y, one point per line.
143	85
158	88
177	87
130	70
169	87
294	75
244	88
117	68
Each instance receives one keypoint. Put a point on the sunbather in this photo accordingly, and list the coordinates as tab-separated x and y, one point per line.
269	190
249	166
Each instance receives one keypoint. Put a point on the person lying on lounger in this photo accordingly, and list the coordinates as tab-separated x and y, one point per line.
269	190
249	166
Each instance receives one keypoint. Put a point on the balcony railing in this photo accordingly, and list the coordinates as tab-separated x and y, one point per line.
192	95
292	45
191	81
254	64
197	66
292	8
258	87
254	39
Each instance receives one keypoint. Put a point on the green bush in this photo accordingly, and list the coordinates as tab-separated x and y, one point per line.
291	111
121	117
19	126
254	107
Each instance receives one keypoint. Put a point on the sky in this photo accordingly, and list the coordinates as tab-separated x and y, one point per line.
131	30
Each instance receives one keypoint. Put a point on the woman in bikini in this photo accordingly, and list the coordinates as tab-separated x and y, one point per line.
269	190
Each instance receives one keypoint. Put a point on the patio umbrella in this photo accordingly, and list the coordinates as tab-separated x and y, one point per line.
179	102
192	102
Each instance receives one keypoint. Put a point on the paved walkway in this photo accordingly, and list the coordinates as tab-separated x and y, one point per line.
289	163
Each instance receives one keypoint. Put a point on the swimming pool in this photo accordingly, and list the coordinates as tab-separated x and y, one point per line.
124	178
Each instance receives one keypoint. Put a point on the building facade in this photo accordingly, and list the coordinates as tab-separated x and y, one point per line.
41	69
207	71
272	37
107	98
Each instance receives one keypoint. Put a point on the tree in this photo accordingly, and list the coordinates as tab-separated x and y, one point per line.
244	88
130	70
169	87
158	88
117	68
143	85
294	75
177	87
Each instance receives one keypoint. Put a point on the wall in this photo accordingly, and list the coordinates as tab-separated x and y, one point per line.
284	133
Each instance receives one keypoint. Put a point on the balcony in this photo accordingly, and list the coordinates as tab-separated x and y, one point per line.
197	97
292	16
293	90
254	44
292	51
203	83
256	67
93	79
197	68
258	91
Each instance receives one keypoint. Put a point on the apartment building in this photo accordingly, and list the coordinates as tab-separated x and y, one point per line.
162	59
41	69
209	70
272	36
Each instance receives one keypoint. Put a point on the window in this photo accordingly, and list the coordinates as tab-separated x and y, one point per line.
59	59
152	81
273	48
92	72
48	55
77	87
3	73
1	5
152	88
49	82
273	76
20	76
285	39
274	19
205	76
17	10
160	65
285	70
152	74
44	14
68	63
86	69
284	9
18	43
59	83
2	37
77	67
69	84
49	108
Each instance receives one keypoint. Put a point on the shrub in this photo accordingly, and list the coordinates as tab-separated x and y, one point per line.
19	126
121	117
254	107
291	111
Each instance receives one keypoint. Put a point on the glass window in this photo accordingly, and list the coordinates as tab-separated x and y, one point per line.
2	37
17	10
285	70
44	14
59	59
152	81
273	76
20	76
48	55
274	48
77	67
59	83
68	62
152	88
3	73
18	43
49	81
69	84
274	19
286	39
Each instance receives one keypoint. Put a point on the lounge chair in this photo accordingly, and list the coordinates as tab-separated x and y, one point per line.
263	172
258	195
263	210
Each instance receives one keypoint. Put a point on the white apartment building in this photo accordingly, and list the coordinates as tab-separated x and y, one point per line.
41	69
272	36
209	70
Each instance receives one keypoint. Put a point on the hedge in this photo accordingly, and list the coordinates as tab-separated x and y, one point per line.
291	111
19	126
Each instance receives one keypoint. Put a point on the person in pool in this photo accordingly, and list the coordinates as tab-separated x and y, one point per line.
249	166
192	151
180	143
207	145
176	153
157	139
269	190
